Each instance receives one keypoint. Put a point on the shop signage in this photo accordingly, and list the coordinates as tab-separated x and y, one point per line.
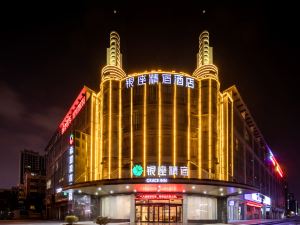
161	171
73	111
158	196
257	197
166	78
71	159
258	205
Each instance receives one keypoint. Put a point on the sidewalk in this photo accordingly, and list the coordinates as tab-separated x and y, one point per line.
257	221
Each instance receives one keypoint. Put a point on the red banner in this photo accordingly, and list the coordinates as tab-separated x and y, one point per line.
158	196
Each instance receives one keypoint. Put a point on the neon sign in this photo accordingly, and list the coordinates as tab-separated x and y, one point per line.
158	196
275	164
254	204
259	198
71	159
73	111
166	78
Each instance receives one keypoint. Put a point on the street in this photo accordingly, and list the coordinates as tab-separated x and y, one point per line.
290	221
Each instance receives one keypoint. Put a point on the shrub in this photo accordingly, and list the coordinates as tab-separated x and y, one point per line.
102	220
71	219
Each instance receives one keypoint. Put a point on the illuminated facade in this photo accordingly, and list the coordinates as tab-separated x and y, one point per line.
170	146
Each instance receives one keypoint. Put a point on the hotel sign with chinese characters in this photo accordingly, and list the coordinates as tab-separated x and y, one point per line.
159	174
163	171
73	111
163	78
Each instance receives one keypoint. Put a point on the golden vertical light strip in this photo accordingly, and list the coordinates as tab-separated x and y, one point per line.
174	124
92	169
209	130
86	177
101	131
232	146
131	131
188	131
145	129
221	139
109	129
96	135
218	155
120	130
227	141
199	134
159	125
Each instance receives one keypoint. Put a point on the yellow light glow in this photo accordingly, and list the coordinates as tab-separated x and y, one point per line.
86	175
131	131
109	129
101	131
120	130
222	139
227	142
91	137
145	129
217	155
96	135
199	134
159	125
188	130
231	131
209	131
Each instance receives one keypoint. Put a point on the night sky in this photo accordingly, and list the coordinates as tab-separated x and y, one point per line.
49	50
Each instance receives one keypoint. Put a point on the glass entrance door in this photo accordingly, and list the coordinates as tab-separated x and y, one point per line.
156	211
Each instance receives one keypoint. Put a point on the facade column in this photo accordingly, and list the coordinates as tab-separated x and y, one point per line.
132	209
222	210
184	209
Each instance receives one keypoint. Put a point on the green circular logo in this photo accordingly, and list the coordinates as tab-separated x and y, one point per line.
137	170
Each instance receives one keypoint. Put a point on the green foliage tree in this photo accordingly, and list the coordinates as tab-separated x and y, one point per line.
70	219
102	220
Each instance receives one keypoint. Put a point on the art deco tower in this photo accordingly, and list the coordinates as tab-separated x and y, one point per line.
110	110
209	87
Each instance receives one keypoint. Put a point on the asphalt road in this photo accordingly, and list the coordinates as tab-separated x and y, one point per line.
291	221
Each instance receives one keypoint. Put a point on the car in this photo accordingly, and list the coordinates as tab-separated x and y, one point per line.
290	214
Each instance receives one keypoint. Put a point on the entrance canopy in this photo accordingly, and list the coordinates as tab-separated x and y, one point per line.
109	187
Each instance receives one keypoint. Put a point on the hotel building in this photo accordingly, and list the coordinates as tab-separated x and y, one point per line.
162	146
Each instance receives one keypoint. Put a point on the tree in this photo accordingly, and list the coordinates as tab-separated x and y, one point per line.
71	219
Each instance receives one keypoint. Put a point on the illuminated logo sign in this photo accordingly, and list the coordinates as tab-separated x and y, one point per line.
156	174
257	197
71	139
137	170
164	78
73	111
158	196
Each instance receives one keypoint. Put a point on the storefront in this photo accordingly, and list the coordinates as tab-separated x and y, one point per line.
248	207
158	208
145	206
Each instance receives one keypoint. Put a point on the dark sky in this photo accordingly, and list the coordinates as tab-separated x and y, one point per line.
49	50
